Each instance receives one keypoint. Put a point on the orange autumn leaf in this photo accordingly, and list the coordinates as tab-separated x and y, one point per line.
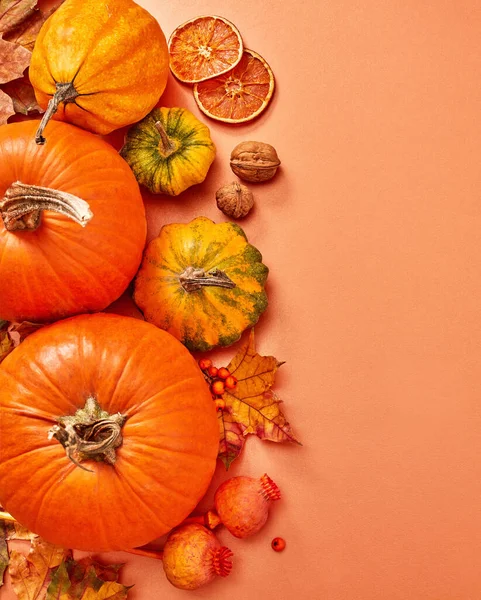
31	574
251	407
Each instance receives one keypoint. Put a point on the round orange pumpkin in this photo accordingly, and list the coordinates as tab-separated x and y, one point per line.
72	223
100	64
137	420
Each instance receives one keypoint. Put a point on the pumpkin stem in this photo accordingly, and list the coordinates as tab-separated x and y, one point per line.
167	146
22	206
65	92
91	433
193	279
210	519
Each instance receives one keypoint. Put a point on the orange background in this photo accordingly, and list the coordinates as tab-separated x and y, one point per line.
372	232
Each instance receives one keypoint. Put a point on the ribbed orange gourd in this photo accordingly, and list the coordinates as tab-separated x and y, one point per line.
109	433
100	64
72	223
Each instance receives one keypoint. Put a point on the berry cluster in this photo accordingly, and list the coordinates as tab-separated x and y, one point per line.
219	380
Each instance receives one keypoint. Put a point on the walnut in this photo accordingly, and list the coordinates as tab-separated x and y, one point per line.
254	161
234	200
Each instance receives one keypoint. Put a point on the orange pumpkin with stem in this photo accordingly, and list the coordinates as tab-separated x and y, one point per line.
99	64
72	223
109	433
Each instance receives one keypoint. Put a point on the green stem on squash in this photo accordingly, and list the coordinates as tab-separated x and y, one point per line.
65	92
193	279
167	146
22	206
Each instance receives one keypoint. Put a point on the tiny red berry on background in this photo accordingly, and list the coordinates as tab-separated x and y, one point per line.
230	382
220	404
205	363
223	373
278	544
217	387
212	371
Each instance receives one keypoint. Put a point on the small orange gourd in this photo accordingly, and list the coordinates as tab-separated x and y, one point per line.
99	64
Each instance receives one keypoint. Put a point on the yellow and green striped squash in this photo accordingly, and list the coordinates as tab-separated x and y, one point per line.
202	282
169	150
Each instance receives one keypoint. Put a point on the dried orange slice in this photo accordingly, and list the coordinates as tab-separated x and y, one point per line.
204	47
239	95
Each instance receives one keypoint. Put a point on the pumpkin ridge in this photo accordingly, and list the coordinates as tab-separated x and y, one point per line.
168	388
124	482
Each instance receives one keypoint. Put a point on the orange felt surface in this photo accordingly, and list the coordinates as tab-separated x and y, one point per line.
372	232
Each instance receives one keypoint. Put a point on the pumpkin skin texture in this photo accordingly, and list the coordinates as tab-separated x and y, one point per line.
169	151
170	437
202	316
114	56
60	268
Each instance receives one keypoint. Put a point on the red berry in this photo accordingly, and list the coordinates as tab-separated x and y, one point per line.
223	373
205	363
230	382
217	387
220	404
278	544
212	371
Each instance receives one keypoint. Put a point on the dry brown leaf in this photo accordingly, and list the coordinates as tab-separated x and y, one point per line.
3	550
14	12
252	407
31	574
15	531
85	578
26	33
22	95
6	107
15	59
12	334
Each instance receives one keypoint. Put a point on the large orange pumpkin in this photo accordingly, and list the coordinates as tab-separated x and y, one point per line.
149	404
100	64
72	223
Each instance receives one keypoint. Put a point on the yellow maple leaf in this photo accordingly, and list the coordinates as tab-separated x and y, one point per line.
252	407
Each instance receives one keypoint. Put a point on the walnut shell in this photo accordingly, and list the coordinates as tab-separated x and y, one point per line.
234	200
254	161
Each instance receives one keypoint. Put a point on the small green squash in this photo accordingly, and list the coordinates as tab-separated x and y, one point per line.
169	150
202	282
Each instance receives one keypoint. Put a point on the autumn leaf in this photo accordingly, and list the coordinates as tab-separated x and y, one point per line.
251	407
31	574
231	437
86	579
26	33
6	107
15	59
6	344
20	23
14	12
15	531
22	96
110	590
12	334
3	550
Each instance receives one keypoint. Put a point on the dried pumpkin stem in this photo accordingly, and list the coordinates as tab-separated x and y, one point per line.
91	433
167	145
21	207
193	279
65	92
5	516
